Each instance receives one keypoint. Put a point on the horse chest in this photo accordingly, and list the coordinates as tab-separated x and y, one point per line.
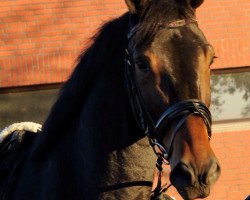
129	172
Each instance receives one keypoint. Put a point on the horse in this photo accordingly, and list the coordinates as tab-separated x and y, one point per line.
143	82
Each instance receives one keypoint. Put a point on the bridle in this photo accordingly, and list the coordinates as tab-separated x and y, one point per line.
176	112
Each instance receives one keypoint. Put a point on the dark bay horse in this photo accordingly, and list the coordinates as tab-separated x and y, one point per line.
146	75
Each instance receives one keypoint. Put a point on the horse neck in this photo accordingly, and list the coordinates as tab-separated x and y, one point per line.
108	144
106	51
90	134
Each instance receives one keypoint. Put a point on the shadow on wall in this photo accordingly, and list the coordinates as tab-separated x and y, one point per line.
26	106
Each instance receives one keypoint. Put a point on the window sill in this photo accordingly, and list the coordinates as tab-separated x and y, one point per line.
231	125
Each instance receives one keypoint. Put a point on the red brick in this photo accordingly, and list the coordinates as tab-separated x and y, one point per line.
56	4
6	53
26	46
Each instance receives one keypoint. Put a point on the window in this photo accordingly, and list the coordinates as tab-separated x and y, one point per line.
231	98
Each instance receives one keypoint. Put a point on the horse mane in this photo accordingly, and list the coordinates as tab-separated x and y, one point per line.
107	48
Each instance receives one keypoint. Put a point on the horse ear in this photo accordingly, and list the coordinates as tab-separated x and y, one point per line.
134	6
196	3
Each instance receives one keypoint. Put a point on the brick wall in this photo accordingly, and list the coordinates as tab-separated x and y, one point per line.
226	25
39	40
233	153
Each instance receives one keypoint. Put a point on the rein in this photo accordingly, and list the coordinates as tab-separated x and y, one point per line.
179	111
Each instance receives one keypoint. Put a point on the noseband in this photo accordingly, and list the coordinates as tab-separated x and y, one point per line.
176	112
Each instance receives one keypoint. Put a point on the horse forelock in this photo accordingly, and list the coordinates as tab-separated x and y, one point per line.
157	13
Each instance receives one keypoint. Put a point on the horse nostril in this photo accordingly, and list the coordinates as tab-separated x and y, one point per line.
182	175
213	173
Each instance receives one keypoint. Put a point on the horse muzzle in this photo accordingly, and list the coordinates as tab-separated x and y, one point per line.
192	182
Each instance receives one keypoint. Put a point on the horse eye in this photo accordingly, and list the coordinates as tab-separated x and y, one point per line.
142	66
212	61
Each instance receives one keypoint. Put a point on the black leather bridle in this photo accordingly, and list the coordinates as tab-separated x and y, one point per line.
176	112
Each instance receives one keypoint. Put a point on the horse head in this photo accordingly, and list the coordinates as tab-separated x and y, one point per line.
168	71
